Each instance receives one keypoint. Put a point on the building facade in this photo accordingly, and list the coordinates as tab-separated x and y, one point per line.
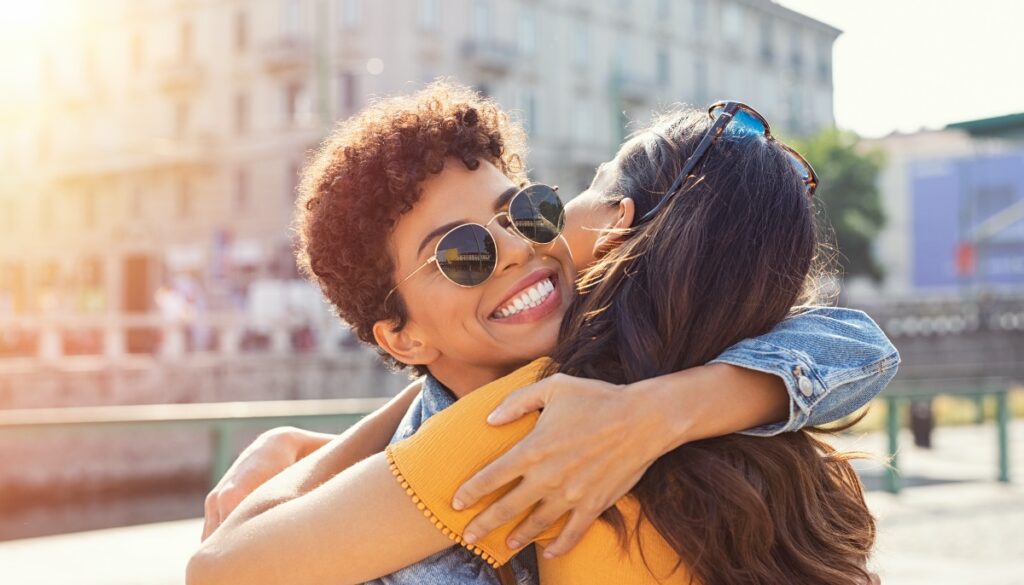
954	203
157	148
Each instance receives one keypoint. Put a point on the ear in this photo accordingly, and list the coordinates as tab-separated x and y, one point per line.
612	233
405	345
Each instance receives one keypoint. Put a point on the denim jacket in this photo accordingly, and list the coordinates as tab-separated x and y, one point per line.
832	360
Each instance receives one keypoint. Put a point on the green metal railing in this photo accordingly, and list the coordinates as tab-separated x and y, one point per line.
220	419
902	392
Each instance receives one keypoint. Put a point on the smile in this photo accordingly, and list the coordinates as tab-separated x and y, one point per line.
528	299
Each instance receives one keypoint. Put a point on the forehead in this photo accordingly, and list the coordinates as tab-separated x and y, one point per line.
455	194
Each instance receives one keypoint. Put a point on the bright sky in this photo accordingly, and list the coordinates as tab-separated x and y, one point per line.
907	64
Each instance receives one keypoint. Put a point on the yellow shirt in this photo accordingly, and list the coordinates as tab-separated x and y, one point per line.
454	444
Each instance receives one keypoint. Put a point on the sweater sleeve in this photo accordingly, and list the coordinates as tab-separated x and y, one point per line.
451	447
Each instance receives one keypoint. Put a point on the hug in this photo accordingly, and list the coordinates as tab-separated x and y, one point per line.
654	351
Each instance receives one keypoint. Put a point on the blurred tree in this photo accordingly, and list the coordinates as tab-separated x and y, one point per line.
849	196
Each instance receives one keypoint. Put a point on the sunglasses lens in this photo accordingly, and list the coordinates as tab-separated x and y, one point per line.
467	255
537	213
798	164
744	124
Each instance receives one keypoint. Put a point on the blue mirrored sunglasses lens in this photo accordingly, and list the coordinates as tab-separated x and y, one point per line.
743	123
801	168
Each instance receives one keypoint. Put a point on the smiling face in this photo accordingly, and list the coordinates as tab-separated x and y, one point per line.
470	336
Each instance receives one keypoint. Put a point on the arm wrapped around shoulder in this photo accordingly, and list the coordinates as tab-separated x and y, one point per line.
453	445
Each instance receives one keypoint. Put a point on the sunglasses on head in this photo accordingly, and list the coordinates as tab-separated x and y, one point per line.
467	254
735	119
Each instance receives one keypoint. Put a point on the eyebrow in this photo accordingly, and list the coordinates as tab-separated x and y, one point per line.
500	202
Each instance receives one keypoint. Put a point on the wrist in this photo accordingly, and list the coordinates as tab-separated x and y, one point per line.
300	442
668	411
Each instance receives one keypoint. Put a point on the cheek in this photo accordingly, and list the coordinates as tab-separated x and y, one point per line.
581	240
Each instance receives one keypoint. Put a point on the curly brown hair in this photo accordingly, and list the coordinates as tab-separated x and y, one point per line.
369	171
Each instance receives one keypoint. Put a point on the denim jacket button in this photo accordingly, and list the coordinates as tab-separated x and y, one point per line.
806	387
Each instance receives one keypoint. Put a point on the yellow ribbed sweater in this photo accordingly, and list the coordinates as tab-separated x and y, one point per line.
456	443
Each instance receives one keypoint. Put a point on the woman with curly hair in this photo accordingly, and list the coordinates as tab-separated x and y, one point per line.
724	261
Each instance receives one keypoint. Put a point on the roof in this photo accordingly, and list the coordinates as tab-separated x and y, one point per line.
992	126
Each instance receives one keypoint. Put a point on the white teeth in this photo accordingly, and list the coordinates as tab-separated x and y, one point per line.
527	299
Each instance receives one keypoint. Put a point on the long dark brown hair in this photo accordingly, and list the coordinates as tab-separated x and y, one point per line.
727	259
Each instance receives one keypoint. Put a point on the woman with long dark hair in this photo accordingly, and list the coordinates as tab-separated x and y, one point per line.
722	246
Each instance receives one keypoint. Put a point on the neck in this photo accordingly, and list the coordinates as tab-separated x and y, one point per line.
462	378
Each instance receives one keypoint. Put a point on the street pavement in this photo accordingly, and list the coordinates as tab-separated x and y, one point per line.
953	525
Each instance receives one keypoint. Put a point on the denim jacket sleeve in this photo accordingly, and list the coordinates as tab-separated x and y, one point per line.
833	361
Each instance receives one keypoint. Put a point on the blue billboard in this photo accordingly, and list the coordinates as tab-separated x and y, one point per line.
967	221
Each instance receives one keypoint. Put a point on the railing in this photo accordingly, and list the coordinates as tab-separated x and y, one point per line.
901	392
220	419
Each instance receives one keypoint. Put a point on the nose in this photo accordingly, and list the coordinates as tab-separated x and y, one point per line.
513	251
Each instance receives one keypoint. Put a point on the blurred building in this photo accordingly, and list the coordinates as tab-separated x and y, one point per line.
154	154
954	199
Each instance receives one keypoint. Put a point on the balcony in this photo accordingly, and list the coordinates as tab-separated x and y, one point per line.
287	54
180	76
490	54
153	155
635	88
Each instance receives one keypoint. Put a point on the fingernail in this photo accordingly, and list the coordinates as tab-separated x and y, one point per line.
457	504
494	417
549	555
512	543
469	537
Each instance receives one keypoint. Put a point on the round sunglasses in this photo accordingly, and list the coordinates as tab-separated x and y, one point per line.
468	254
735	119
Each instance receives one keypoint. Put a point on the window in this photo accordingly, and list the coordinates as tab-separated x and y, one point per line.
184	198
824	54
292	103
429	15
135	207
482	20
185	41
528	31
796	50
700	15
624	53
181	116
241	31
242	190
89	209
582	121
664	68
581	44
663	9
137	56
348	100
767	30
732	23
700	81
527	105
10	214
292	20
46	212
241	113
793	111
351	14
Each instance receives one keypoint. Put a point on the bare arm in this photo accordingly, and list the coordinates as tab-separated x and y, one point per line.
279	448
357	526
